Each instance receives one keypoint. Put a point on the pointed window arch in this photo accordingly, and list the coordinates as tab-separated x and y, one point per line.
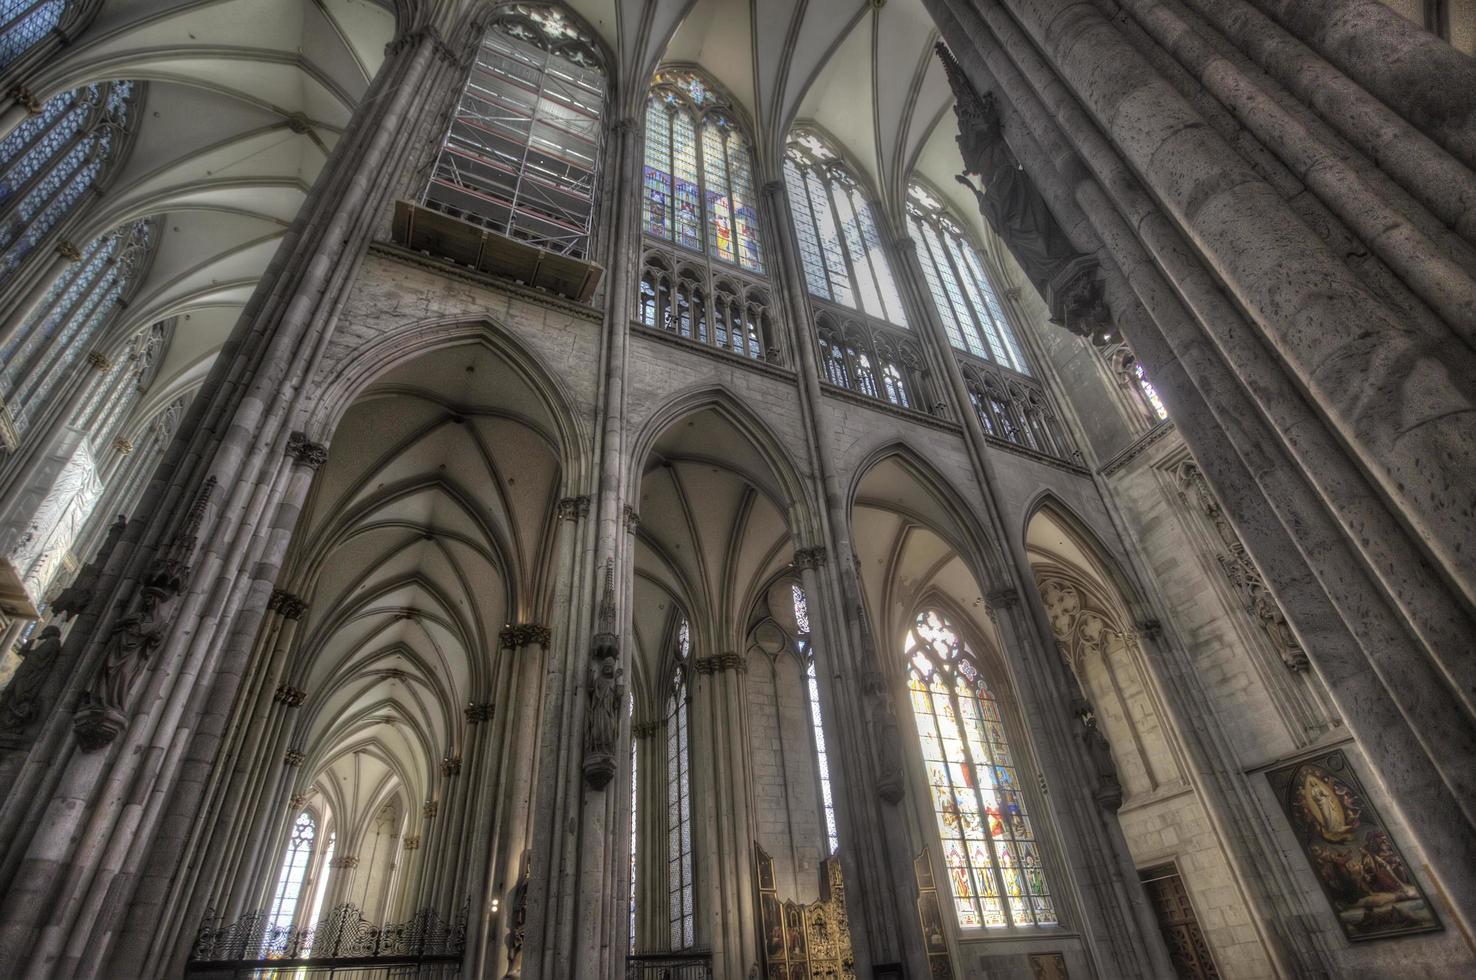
69	319
680	893
989	846
840	244
50	161
697	182
966	300
812	684
294	872
522	153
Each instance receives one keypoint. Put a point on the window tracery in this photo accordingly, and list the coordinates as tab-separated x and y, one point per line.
990	850
680	895
965	299
708	306
294	872
1016	410
23	23
870	360
1130	375
522	152
69	319
840	244
52	159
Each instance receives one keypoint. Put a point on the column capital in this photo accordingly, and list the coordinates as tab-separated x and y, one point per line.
124	446
68	251
1002	598
719	662
450	766
290	696
344	861
24	97
305	452
478	711
810	557
100	361
429	810
646	730
294	758
410	843
572	508
524	635
286	605
632	520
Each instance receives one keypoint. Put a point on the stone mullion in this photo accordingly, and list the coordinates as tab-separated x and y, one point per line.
1209	408
650	884
552	883
485	945
876	854
232	459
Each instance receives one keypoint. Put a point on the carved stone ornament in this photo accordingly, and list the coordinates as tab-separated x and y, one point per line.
26	99
450	766
75	599
20	702
286	605
1241	572
525	635
103	709
429	810
572	508
478	711
719	662
297	802
99	361
292	697
69	251
632	521
344	861
410	843
517	922
809	557
294	758
606	692
306	453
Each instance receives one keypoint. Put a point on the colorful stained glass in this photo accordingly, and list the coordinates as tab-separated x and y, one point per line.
656	175
1149	392
688	193
993	863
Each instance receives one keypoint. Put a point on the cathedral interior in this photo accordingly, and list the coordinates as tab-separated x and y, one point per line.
738	489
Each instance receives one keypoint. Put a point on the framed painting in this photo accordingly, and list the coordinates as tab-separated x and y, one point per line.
1351	851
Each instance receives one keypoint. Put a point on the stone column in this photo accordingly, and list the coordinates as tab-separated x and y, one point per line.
209	553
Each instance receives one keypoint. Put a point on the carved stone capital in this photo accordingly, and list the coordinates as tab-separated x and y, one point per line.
285	604
632	520
450	766
410	843
124	446
719	662
524	635
809	557
99	361
96	726
1150	629
68	251
773	188
645	731
573	508
297	802
27	99
344	861
904	244
289	696
478	711
1002	598
306	453
429	810
294	758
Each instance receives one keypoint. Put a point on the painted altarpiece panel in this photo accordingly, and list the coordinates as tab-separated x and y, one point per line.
1351	851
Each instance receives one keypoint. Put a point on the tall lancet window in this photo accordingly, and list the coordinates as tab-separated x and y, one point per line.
294	871
989	843
840	244
522	154
52	159
962	293
812	683
69	319
698	176
680	911
23	23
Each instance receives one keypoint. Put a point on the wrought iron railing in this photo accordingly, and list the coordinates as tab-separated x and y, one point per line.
688	965
341	940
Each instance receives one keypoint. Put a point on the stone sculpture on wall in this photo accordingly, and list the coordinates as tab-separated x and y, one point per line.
20	702
102	713
1018	213
1239	570
606	693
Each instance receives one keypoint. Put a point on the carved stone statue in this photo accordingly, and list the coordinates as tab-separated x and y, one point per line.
517	923
20	702
889	778
606	693
1109	788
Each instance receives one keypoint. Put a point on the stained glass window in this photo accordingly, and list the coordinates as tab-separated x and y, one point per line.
1149	392
962	294
523	149
680	896
990	849
294	871
23	23
840	243
52	159
68	320
822	761
698	175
